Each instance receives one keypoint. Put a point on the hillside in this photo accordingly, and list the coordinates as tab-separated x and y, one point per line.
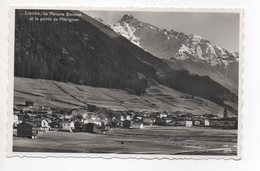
77	52
89	53
68	95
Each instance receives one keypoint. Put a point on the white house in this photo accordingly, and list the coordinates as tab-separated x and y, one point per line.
45	125
128	117
188	123
206	122
122	118
15	121
42	124
163	115
67	126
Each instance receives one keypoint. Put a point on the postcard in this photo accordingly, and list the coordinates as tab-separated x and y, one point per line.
125	82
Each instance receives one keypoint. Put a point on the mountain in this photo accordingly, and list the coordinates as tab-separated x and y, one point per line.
83	52
90	53
169	44
190	52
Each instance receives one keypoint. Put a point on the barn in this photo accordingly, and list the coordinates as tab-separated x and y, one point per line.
78	126
25	130
90	127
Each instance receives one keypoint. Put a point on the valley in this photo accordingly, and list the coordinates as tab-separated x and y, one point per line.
85	86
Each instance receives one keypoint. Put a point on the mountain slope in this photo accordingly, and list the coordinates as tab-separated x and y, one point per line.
68	95
80	52
188	52
90	53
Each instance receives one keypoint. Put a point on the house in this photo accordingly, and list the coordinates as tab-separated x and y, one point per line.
45	125
15	121
42	124
197	122
214	123
169	121
122	118
206	122
165	121
188	123
200	122
138	118
228	123
184	121
128	117
29	103
91	128
67	126
116	124
78	126
225	123
55	123
180	123
26	130
148	121
163	115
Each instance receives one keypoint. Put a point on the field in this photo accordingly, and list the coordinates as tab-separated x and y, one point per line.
67	95
150	140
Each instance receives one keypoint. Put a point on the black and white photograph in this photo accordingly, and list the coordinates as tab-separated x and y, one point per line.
138	82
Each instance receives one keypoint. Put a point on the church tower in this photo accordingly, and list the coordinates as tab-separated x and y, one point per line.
225	113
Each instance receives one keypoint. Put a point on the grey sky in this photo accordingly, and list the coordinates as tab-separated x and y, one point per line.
219	28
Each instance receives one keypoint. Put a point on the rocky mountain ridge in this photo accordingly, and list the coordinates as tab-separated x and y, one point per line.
183	50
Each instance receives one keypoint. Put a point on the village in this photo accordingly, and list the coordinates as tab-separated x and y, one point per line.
30	120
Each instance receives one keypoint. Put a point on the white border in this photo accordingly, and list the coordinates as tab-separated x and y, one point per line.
120	156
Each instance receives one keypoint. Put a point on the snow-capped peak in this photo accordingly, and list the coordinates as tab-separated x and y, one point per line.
126	18
195	38
166	44
127	31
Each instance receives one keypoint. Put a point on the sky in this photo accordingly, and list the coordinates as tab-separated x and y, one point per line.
221	29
